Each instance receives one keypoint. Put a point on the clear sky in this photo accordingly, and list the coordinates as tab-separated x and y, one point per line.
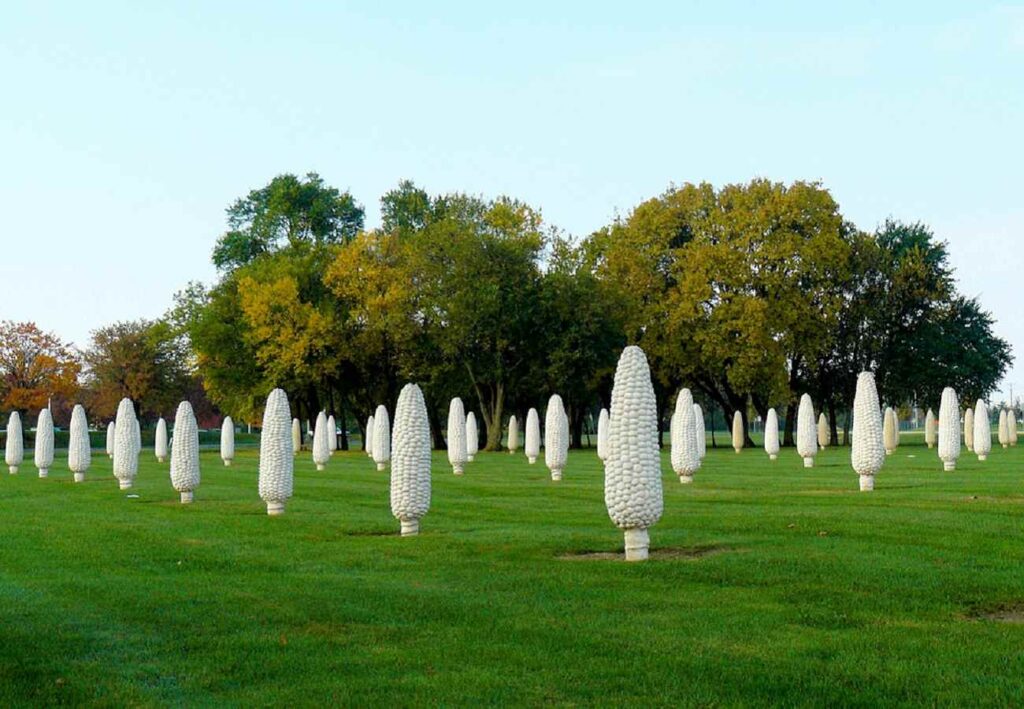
127	128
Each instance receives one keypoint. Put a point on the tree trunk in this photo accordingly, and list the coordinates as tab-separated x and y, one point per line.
790	425
344	424
833	430
436	429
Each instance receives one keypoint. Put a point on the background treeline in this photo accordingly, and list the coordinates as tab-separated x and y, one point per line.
749	294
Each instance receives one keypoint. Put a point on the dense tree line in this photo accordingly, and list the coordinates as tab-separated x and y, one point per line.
750	294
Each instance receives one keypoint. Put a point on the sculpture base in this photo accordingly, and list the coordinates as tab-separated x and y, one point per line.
382	466
686	479
867	483
275	508
808	462
159	459
319	466
14	469
457	469
638	543
227	463
79	477
410	527
556	475
773	457
531	459
982	458
186	498
949	466
124	484
470	458
43	472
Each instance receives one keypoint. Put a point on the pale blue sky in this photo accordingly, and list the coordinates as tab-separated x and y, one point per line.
127	128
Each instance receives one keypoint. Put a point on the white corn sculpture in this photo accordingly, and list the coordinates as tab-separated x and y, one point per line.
160	440
532	448
602	434
889	431
931	429
457	454
185	453
472	437
806	433
1004	429
685	454
381	438
737	431
79	448
1011	422
632	478
513	434
368	445
126	444
14	452
556	437
949	429
982	431
111	434
296	436
276	454
771	435
321	451
968	429
410	461
43	453
824	436
227	441
867	452
702	437
332	434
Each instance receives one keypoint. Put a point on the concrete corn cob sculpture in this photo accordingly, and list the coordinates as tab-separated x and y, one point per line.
771	435
296	436
472	437
532	447
185	453
702	439
949	429
43	454
332	434
277	457
368	445
632	487
931	429
982	431
824	435
685	455
227	441
1004	429
410	461
111	434
1011	423
602	434
126	444
321	451
79	448
889	431
806	431
737	432
14	451
160	440
513	434
556	437
457	453
381	438
867	453
968	429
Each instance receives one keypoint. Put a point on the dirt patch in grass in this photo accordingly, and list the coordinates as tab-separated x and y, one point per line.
1011	613
663	553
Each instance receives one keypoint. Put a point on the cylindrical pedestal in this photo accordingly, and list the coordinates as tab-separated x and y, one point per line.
124	484
888	452
457	469
556	475
686	479
983	458
773	457
79	477
14	470
808	462
470	458
737	450
637	544
1006	445
275	508
43	472
930	446
227	463
159	459
382	466
410	527
949	465
531	459
186	498
319	466
867	483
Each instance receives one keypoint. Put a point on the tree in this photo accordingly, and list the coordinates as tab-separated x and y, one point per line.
34	366
143	360
289	211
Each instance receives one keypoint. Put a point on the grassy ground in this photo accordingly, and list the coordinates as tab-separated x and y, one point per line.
787	587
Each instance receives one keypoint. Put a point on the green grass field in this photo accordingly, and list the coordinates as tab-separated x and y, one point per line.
777	585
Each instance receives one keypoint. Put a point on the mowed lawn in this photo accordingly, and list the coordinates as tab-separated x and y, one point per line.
780	586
